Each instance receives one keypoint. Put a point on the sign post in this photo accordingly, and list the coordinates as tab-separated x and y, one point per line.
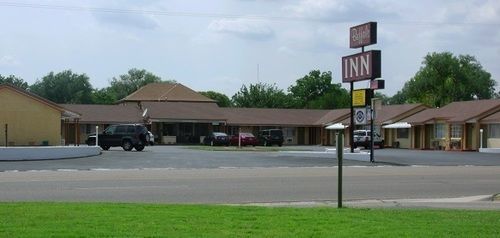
6	133
359	67
340	155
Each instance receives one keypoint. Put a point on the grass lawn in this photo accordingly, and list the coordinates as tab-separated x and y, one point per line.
151	220
244	148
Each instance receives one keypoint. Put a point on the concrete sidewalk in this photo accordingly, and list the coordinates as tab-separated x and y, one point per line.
480	202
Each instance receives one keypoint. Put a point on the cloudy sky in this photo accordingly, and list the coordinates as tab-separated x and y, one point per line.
220	45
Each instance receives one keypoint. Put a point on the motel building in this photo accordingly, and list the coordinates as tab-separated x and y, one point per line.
176	114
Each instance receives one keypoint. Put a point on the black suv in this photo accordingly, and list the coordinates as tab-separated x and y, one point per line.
270	137
127	136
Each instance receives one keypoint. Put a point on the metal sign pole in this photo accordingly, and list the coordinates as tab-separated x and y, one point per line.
372	143
6	133
340	155
96	135
351	127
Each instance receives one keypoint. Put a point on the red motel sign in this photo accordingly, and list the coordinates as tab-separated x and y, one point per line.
363	35
362	66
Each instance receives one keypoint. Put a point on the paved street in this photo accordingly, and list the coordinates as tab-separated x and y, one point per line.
176	174
183	157
247	185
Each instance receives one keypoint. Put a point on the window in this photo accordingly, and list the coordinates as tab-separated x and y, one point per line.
494	131
403	132
439	131
456	131
120	130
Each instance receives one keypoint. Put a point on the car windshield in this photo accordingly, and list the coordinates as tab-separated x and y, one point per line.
276	133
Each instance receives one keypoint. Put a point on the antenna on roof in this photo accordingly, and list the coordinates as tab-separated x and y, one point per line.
258	79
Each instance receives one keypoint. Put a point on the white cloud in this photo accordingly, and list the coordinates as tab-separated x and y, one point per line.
243	28
8	61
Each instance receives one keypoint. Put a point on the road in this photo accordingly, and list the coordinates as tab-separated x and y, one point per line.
249	185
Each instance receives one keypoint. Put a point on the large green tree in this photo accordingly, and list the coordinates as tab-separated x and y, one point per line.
221	99
445	78
64	87
316	91
16	81
261	95
127	83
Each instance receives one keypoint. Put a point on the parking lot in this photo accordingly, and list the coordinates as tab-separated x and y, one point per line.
186	157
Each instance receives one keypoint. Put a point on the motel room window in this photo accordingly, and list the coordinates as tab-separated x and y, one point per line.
403	132
456	131
494	131
439	131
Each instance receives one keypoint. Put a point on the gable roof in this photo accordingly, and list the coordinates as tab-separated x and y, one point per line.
161	92
108	114
273	116
391	113
65	113
457	112
493	118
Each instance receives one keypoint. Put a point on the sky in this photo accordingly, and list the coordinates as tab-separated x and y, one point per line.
221	45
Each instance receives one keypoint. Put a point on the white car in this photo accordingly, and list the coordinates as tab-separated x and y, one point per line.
362	138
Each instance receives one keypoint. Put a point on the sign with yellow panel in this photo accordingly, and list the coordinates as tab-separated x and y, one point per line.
359	98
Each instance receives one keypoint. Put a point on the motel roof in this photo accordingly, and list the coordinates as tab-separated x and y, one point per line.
184	111
273	116
109	114
163	92
457	112
392	113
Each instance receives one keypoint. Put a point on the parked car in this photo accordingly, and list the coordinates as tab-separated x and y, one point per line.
271	137
362	138
246	139
128	136
216	138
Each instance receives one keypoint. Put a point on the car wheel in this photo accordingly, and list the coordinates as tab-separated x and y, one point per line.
280	144
127	145
139	147
105	147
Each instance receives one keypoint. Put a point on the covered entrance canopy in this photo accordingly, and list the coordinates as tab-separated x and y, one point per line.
336	126
397	125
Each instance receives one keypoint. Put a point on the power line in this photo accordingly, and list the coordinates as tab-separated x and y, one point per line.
222	15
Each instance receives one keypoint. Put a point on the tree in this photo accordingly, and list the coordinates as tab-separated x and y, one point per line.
64	87
316	91
11	79
221	99
445	78
103	96
128	83
385	99
261	95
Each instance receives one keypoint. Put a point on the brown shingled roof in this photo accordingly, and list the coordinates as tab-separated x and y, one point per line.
205	111
457	112
493	118
391	113
107	114
273	116
166	92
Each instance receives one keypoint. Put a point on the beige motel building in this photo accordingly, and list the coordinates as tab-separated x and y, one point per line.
176	114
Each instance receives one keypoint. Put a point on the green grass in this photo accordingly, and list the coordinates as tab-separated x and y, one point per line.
150	220
244	148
